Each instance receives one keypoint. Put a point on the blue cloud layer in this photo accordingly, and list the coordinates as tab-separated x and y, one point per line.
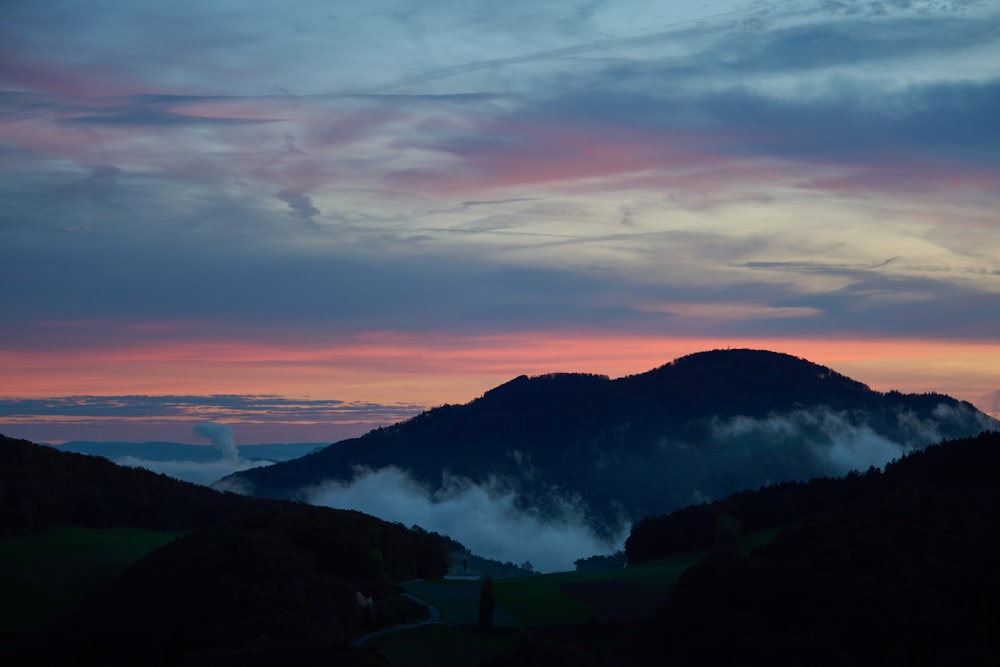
308	171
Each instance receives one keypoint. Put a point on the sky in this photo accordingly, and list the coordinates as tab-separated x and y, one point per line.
304	219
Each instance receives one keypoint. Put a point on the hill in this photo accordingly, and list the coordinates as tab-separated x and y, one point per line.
293	584
698	428
896	568
42	487
251	578
901	572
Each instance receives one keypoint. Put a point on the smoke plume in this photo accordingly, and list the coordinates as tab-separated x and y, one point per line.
196	472
222	439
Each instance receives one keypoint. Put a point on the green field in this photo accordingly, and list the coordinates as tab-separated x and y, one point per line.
444	646
539	605
44	575
564	598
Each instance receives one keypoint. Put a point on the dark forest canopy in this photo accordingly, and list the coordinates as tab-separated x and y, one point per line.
253	577
42	487
881	567
893	568
966	463
284	580
901	571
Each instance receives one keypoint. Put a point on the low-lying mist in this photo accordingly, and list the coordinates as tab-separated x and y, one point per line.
200	472
484	517
197	472
840	440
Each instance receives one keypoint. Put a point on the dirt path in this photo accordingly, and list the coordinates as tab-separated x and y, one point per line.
434	616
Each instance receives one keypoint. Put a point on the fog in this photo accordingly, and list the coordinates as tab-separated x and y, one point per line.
483	517
842	441
200	472
197	472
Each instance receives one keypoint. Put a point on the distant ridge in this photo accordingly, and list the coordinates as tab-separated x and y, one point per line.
175	451
697	428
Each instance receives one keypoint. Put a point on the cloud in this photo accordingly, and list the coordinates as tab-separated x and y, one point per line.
233	407
859	448
484	517
300	203
465	169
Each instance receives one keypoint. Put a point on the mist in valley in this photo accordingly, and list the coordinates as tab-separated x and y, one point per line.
488	517
498	518
200	470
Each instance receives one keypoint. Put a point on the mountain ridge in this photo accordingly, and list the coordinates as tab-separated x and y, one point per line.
702	426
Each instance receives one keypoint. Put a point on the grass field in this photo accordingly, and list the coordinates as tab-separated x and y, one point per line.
535	603
43	575
444	646
538	604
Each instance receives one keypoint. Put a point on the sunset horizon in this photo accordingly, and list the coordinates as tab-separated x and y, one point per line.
274	412
308	220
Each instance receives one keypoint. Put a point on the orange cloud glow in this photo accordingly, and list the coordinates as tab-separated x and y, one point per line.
434	369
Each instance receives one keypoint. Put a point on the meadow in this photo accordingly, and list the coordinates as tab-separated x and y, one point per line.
46	574
565	605
49	573
586	606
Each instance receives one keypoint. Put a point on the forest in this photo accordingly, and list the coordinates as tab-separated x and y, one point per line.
901	570
248	580
875	567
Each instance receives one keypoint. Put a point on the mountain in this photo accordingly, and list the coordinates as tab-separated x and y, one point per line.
700	427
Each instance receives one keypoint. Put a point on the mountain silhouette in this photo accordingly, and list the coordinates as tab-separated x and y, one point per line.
701	427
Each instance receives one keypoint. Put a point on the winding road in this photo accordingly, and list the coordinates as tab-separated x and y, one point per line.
434	616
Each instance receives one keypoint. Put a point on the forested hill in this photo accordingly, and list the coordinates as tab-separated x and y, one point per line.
968	465
277	587
700	427
42	487
904	572
254	582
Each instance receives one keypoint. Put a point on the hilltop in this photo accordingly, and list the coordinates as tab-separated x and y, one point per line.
698	428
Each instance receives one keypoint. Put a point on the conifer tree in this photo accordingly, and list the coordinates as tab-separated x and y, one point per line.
487	603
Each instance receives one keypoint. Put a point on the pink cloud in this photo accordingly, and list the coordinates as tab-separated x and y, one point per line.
497	155
52	139
532	155
435	368
66	79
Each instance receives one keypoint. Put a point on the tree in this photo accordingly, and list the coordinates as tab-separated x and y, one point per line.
727	533
487	603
